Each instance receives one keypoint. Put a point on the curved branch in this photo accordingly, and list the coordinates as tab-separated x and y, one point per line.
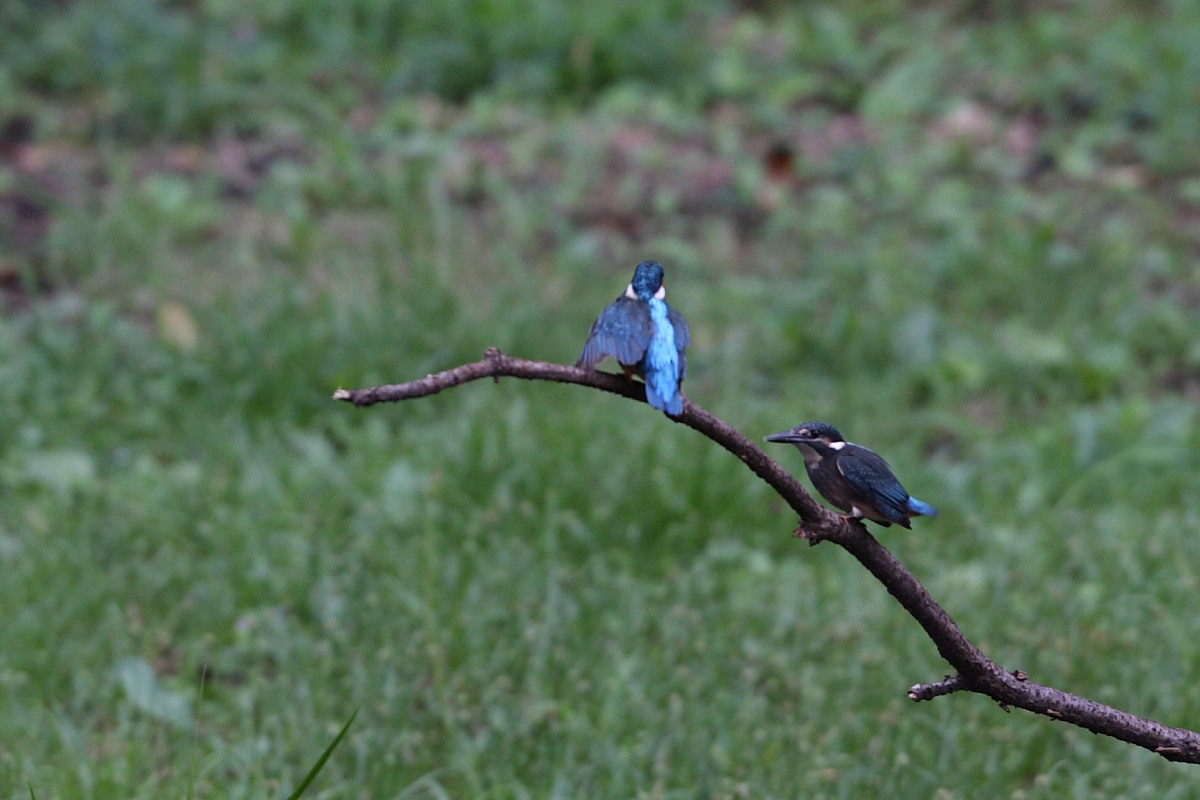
975	671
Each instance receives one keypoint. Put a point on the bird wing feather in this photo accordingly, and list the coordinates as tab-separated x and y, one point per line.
622	330
872	478
683	338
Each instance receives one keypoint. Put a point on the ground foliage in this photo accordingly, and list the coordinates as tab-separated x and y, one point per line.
964	233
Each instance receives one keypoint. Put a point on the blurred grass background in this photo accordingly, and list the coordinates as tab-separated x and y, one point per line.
965	233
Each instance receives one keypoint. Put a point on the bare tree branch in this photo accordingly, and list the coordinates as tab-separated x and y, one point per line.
927	691
975	671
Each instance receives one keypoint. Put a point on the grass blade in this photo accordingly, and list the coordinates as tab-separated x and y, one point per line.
316	768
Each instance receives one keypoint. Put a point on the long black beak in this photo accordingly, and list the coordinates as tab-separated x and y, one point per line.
788	437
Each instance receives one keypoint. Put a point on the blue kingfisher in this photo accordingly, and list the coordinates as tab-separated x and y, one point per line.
646	336
853	478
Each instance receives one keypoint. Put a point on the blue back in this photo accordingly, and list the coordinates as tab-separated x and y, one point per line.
661	365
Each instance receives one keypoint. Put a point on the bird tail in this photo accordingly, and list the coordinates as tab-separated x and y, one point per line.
663	393
921	508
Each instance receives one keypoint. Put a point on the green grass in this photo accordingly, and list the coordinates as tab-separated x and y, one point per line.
532	590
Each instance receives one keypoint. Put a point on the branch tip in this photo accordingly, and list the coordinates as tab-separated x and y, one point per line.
928	691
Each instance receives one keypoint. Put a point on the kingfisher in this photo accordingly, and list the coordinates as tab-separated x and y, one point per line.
646	336
853	478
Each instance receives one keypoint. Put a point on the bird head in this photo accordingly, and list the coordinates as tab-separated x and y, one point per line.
647	282
814	439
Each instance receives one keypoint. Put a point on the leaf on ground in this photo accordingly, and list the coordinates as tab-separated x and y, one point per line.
146	693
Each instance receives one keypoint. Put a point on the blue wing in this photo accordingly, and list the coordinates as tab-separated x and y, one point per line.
872	479
683	338
622	330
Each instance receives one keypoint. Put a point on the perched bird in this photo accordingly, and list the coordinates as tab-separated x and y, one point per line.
646	336
852	477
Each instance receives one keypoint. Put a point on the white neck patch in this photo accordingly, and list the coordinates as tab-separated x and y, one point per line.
661	294
836	445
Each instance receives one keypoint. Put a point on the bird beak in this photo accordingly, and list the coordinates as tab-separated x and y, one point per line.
787	437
